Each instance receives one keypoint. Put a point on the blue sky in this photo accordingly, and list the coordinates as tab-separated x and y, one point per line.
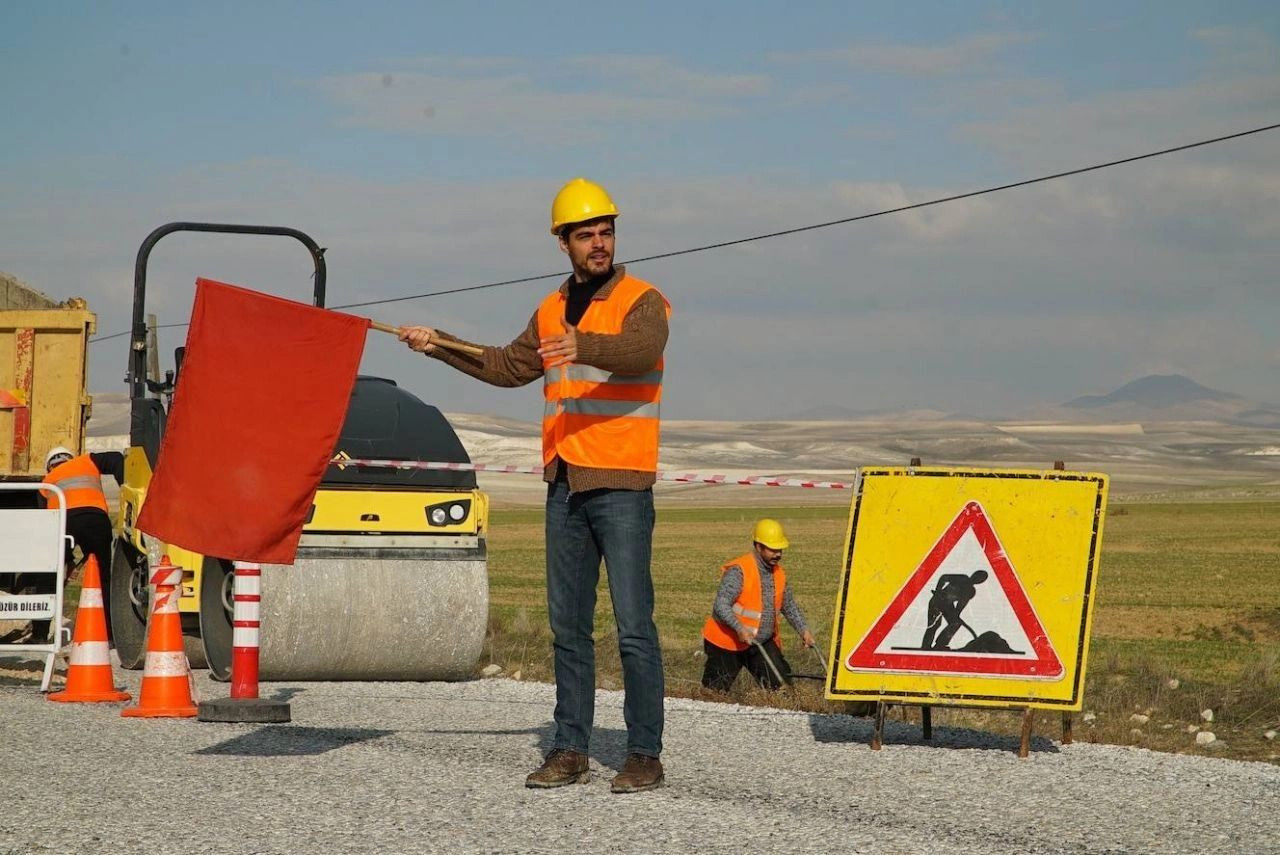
421	144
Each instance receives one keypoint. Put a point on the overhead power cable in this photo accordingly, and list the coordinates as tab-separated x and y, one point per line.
830	223
807	228
99	338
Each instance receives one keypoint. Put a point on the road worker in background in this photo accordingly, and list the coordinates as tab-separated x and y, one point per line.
597	343
88	523
743	627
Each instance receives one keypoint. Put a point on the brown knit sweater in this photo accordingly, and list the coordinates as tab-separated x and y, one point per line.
635	350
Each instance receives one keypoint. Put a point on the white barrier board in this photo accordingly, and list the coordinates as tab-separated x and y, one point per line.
30	541
33	541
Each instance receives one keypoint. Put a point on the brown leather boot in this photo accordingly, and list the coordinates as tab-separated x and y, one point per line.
641	772
561	767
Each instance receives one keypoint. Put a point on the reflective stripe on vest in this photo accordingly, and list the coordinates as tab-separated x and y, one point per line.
602	407
749	605
80	482
591	374
593	417
606	407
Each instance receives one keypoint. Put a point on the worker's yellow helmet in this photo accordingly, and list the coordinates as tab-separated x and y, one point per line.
578	201
769	532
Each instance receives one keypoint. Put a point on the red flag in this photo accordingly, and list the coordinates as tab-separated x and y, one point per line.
259	406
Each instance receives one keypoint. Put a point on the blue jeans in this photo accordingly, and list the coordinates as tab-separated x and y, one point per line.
582	528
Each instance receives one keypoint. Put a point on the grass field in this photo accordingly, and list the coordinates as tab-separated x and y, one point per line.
1187	617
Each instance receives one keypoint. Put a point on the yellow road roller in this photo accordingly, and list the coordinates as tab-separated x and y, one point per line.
390	580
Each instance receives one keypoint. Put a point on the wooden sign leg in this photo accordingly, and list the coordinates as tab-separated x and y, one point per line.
926	722
1025	747
877	735
1066	728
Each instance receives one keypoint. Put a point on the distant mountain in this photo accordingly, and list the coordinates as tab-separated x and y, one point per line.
1155	390
1161	397
1166	398
827	413
838	413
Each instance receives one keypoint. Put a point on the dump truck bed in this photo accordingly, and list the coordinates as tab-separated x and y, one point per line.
43	397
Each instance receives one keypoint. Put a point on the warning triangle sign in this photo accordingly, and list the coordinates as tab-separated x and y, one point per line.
963	611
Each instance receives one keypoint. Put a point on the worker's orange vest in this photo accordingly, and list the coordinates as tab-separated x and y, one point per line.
594	417
80	481
749	605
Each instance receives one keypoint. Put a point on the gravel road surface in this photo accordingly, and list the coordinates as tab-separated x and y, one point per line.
437	767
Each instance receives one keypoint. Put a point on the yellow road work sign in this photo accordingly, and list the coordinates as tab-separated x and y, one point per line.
968	587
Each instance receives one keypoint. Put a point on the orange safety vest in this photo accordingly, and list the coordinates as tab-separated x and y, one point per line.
749	605
80	481
594	417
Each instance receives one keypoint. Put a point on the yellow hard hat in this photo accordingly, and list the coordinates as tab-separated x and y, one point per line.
578	201
769	532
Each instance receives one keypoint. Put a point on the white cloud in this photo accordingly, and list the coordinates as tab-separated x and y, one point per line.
478	97
1114	124
1235	49
1237	87
872	131
653	74
967	54
479	107
455	66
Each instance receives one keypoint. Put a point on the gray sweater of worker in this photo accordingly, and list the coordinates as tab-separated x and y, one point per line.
731	587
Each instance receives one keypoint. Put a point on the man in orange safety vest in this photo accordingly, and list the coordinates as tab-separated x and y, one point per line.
88	522
743	627
597	344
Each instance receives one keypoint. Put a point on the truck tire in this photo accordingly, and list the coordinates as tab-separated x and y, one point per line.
130	600
216	578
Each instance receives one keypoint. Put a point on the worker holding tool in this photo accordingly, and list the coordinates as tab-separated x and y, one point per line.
80	477
597	343
947	601
742	630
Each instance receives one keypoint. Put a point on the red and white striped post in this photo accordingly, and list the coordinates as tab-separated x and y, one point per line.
244	705
246	597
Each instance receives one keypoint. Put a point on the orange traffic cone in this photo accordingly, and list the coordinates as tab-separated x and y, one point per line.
166	690
89	677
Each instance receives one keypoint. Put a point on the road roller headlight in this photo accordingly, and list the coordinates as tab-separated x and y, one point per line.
449	513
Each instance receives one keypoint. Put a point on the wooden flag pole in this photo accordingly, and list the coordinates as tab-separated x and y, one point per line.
439	342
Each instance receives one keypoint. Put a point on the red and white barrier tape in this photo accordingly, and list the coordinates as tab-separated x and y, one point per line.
682	477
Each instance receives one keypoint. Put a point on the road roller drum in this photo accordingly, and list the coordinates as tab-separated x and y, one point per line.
356	617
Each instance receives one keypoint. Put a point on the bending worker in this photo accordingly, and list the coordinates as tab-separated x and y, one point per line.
753	592
597	344
80	477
